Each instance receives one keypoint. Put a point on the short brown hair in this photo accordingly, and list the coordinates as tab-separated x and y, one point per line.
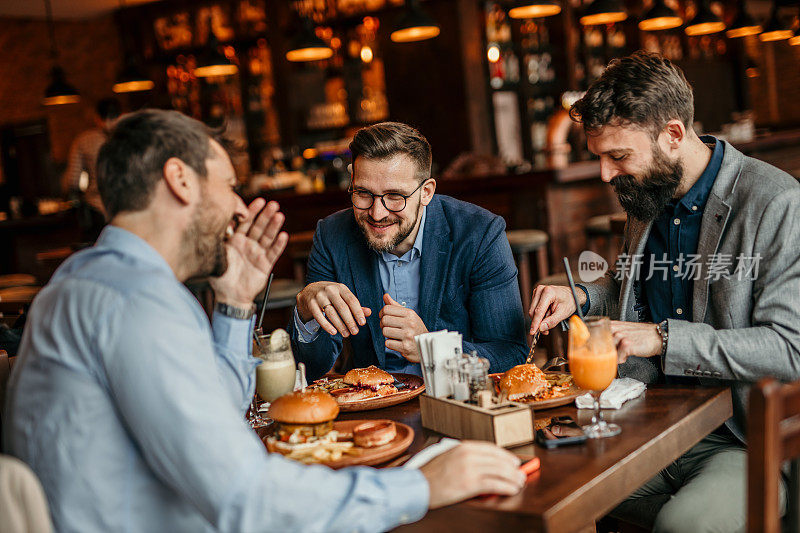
131	162
643	89
386	139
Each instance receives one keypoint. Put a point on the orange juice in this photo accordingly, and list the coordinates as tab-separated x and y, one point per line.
593	370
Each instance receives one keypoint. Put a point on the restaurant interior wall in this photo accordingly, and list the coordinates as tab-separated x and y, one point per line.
89	51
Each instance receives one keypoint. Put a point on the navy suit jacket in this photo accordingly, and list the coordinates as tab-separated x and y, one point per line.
468	284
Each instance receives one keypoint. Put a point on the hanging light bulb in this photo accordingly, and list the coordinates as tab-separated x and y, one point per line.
59	91
132	80
414	25
743	25
529	9
212	62
603	12
306	46
660	17
775	30
704	22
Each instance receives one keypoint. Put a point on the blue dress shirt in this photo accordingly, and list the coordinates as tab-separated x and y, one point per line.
399	279
129	406
670	263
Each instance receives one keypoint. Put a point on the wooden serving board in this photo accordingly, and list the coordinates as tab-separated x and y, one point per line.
573	392
414	386
372	456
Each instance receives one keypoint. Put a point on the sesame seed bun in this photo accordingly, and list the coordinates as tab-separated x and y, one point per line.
372	376
304	407
523	381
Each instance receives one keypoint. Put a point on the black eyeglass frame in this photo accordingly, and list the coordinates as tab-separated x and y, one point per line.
352	191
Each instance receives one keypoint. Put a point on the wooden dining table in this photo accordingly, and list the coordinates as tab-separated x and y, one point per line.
577	485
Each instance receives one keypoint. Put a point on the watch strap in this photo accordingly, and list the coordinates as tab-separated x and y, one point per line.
235	312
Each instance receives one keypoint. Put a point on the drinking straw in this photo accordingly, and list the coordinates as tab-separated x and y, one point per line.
264	303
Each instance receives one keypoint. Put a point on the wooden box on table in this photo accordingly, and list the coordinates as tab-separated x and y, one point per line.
508	424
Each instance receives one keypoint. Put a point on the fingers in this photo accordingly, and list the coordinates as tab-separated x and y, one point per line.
355	308
339	315
393	333
391	321
252	211
319	316
543	298
367	311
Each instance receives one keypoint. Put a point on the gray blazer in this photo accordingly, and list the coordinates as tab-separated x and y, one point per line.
742	329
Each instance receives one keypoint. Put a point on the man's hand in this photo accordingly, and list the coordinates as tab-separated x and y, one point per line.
635	338
550	304
470	469
335	308
252	252
400	325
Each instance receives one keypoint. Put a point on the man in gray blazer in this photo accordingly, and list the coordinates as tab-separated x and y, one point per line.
707	286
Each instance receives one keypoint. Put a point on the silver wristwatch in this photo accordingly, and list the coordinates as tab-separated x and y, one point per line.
663	330
235	312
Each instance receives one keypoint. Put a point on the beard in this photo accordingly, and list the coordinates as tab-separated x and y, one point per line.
204	241
404	229
646	197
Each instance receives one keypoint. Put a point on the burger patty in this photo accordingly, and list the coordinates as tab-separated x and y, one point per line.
301	432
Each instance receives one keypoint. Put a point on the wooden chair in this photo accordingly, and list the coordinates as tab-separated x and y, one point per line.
773	436
6	363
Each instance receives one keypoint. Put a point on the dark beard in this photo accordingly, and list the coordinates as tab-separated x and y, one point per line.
646	198
205	243
402	234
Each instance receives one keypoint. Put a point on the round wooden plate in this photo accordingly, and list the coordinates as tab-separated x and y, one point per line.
414	386
372	456
572	393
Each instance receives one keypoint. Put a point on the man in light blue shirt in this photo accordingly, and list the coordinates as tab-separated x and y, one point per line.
404	261
129	405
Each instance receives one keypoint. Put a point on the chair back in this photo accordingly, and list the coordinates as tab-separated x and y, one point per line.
773	436
5	372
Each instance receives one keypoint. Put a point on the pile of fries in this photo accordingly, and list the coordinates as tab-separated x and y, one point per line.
324	452
328	384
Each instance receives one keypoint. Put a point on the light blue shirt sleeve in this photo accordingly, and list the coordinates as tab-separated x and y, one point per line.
307	331
234	353
177	397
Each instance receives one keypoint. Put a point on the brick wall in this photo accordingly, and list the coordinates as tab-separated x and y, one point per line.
89	52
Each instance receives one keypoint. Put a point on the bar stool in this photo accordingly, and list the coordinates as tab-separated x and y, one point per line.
524	242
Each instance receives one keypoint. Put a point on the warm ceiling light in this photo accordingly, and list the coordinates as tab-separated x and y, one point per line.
743	25
795	41
704	22
212	62
414	25
493	54
775	30
603	12
59	91
660	17
307	46
529	9
132	80
366	54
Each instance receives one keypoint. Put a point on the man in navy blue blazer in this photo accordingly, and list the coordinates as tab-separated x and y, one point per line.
404	261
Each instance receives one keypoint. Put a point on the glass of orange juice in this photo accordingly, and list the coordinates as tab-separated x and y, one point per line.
592	358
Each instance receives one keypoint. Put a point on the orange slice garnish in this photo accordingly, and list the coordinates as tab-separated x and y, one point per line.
578	332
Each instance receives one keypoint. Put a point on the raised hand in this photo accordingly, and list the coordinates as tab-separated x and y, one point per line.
400	325
253	250
335	308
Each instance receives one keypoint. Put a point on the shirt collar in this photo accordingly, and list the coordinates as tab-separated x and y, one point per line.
698	194
415	251
130	244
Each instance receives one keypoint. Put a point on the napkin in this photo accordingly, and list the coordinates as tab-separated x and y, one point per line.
620	391
426	454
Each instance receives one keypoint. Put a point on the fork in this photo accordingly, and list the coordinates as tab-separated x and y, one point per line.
534	340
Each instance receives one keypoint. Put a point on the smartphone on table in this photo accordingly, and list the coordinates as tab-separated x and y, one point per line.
560	431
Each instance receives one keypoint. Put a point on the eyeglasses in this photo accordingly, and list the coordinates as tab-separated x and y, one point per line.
392	201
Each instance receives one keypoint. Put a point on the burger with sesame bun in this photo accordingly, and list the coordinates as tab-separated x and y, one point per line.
365	383
302	419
